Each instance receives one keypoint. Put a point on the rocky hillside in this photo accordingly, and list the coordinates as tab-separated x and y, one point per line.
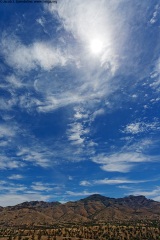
92	208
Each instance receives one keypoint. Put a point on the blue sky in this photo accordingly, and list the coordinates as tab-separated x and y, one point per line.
79	100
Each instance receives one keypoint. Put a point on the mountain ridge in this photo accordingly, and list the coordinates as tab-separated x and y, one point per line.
95	197
93	208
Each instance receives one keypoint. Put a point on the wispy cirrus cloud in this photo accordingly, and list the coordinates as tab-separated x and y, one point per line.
10	187
155	15
12	199
37	156
44	187
114	181
155	76
77	133
7	162
141	127
7	131
83	193
27	57
14	193
15	177
90	78
120	162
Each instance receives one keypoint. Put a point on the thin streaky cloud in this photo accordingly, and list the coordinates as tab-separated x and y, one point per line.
107	181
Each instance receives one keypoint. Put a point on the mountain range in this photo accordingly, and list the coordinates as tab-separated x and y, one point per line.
95	208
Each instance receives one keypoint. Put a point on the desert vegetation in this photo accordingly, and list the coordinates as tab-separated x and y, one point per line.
147	230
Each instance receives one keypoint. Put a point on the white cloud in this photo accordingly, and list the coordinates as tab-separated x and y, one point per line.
15	193
41	21
47	57
26	58
140	127
85	183
36	157
77	133
97	113
28	102
117	167
155	14
120	162
81	113
93	82
13	199
107	181
58	100
84	193
15	177
14	81
155	76
7	131
39	186
92	143
7	186
10	162
8	103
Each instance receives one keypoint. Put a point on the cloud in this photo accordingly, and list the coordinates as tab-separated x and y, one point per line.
14	193
7	162
44	187
86	79
10	187
41	21
84	193
6	131
28	57
98	112
15	177
14	82
36	156
85	183
140	127
155	15
86	83
14	152
13	199
155	76
120	162
118	167
77	132
108	181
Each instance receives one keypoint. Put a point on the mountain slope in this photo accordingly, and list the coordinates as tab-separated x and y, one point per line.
92	208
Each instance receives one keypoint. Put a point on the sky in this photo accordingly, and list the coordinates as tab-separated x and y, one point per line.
79	100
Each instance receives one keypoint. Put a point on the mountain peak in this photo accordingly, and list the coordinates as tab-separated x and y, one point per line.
95	197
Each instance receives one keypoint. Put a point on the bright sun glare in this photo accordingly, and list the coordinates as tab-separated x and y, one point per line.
96	46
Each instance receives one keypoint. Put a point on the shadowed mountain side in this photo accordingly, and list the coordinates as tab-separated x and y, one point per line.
93	208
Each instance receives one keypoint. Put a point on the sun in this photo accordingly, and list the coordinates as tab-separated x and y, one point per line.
96	46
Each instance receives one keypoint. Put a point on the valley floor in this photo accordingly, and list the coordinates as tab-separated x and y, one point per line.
142	230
